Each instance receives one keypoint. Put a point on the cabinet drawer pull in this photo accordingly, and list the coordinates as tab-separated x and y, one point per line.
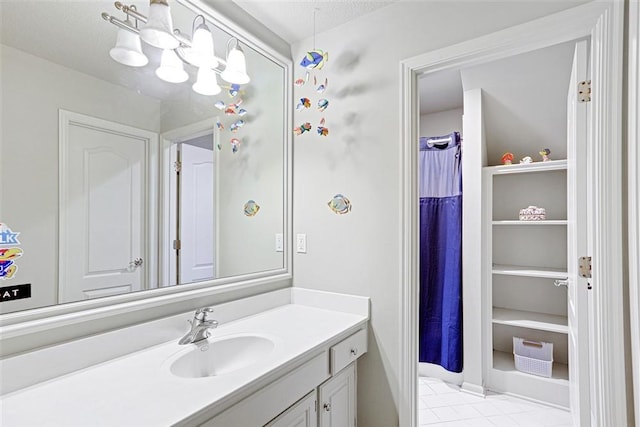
327	407
354	351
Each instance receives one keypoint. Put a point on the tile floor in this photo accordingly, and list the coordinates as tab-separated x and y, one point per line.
443	404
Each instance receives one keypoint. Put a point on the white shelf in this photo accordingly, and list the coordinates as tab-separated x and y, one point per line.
526	168
517	270
530	320
531	223
504	362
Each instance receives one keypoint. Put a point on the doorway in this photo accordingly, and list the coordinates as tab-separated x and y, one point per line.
195	210
188	217
603	23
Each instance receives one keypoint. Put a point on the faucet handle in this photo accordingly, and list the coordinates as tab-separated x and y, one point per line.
201	313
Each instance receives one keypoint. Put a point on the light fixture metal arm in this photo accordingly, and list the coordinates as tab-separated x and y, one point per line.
130	10
118	23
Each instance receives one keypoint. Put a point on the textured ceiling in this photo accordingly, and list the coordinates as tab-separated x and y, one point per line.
294	21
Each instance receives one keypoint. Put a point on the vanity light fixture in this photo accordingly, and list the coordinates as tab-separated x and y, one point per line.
236	69
207	83
171	69
128	50
201	53
157	31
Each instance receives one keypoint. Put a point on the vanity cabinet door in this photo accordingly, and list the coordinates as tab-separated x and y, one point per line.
337	397
302	414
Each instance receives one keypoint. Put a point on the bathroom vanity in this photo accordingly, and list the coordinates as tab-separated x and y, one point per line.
281	358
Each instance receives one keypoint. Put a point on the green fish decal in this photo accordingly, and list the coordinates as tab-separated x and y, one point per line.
340	204
251	208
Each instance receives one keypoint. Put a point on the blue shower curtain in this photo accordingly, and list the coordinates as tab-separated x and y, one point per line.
440	329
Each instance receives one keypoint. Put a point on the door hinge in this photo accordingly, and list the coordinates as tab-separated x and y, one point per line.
584	91
177	165
584	267
177	245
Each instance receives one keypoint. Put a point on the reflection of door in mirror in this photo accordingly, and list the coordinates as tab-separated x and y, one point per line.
196	214
103	209
66	64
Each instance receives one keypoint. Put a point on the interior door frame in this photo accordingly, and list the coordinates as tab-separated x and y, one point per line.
150	246
603	22
168	142
633	174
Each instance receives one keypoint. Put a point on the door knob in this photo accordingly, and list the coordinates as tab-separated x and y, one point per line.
136	262
327	407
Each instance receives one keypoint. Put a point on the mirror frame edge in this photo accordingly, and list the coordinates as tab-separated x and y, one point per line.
28	330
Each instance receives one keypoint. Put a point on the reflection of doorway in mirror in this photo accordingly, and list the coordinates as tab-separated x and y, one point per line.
104	219
196	214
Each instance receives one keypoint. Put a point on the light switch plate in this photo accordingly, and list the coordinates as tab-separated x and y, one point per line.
301	243
279	242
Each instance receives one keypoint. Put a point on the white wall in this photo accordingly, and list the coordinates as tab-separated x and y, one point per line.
32	92
524	128
441	123
359	253
256	172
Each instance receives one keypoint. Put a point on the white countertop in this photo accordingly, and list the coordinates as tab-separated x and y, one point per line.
138	389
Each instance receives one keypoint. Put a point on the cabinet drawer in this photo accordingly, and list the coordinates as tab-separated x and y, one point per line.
348	350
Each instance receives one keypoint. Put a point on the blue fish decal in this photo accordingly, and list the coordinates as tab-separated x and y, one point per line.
234	89
323	87
237	125
315	59
323	104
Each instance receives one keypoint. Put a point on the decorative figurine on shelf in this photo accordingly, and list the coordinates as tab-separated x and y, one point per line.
526	160
507	158
532	213
545	155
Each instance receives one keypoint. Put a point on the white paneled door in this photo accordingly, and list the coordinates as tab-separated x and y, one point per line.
197	214
577	292
103	214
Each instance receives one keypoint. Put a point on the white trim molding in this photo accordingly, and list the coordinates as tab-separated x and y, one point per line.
604	219
633	174
409	249
603	22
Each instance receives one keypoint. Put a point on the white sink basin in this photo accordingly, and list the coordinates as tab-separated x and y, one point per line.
221	356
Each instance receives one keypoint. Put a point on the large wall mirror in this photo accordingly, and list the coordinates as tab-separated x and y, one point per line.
127	171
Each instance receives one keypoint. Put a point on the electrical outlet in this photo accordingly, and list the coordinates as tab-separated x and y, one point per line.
279	242
301	243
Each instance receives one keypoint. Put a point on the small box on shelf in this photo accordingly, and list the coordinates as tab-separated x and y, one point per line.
533	357
532	213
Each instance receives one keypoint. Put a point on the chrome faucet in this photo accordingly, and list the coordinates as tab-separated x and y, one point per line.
200	326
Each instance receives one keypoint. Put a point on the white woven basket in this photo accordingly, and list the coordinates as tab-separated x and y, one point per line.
533	357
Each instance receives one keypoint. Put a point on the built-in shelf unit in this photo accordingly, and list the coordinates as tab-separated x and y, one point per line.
526	264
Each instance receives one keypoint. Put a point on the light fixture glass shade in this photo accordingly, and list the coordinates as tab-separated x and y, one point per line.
158	31
207	82
201	54
236	69
128	50
171	69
